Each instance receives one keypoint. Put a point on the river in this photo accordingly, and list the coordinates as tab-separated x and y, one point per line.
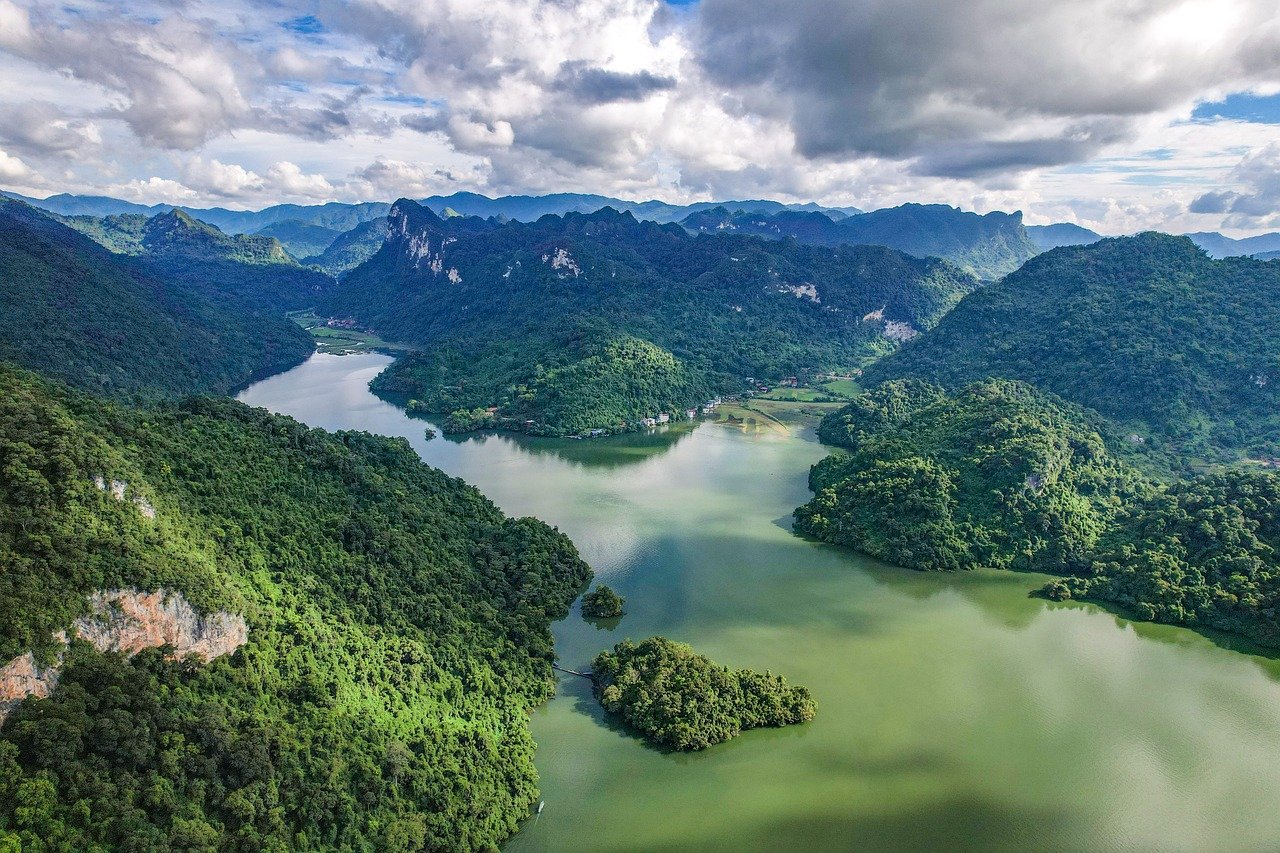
954	711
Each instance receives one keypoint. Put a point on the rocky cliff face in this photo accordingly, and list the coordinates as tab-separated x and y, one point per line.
128	621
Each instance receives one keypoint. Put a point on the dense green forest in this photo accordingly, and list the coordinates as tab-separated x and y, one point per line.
1181	351
398	635
589	379
682	700
120	326
988	246
350	248
998	474
492	302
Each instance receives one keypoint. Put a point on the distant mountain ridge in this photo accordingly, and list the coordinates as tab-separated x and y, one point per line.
1261	246
340	216
989	246
1053	236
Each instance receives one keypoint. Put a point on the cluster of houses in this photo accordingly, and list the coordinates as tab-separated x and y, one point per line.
706	408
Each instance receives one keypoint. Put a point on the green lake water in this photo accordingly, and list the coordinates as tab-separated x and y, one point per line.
954	711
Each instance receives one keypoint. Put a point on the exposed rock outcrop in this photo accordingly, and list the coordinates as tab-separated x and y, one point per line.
128	621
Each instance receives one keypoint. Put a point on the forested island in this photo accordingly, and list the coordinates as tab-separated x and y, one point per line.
679	699
602	603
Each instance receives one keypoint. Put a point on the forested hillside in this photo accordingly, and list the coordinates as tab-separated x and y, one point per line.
1181	350
1000	475
498	299
398	634
179	249
988	246
117	325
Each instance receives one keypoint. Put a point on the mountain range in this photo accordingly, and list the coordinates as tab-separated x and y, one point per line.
988	246
502	307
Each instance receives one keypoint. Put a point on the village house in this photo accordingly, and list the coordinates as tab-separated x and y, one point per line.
664	418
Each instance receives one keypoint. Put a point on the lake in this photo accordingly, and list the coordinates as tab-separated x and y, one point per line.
954	711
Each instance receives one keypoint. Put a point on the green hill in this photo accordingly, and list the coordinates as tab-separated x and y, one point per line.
998	474
117	325
503	297
350	248
398	635
583	380
300	239
1181	350
175	247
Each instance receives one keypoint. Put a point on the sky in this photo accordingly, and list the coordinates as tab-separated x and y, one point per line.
1119	115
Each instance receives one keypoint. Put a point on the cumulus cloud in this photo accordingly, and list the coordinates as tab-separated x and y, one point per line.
385	178
283	180
593	85
987	86
178	82
43	129
865	102
13	170
1258	199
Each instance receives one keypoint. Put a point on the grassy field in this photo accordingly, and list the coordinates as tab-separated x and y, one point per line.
778	416
843	388
342	341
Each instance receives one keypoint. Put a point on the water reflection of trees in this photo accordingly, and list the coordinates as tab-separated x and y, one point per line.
601	453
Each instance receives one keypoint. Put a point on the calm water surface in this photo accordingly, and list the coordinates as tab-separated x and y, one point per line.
954	712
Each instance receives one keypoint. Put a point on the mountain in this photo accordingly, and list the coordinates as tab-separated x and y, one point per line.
341	217
1048	237
335	216
988	246
1181	349
118	325
1267	256
355	640
174	246
301	239
998	474
531	208
1220	246
501	307
350	248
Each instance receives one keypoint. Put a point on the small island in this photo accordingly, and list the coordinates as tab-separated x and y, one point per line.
682	700
602	603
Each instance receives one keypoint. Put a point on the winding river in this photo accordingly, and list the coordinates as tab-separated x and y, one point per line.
954	712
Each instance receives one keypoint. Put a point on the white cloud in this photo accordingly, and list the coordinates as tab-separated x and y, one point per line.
1052	108
13	170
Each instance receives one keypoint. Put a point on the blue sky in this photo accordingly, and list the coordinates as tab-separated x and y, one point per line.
1160	115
